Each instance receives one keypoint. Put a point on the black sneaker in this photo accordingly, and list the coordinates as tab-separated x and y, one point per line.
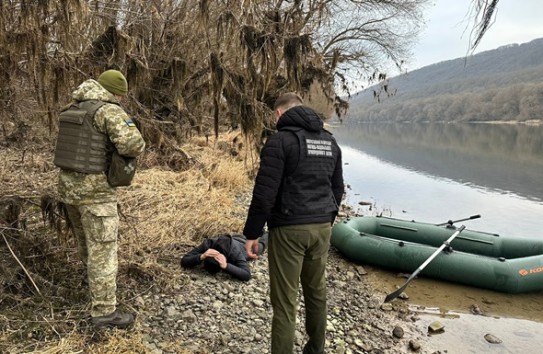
116	319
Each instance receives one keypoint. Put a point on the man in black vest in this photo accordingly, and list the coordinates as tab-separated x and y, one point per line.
297	192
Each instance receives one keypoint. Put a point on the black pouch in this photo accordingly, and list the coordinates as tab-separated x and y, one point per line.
121	170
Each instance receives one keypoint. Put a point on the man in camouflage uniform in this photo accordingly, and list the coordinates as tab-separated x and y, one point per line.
93	126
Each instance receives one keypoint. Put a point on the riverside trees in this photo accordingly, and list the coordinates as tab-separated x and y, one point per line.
194	65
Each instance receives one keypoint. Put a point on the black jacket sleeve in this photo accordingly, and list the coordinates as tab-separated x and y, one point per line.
192	258
267	183
338	186
239	269
237	266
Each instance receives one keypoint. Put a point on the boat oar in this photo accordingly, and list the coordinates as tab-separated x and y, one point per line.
450	222
395	294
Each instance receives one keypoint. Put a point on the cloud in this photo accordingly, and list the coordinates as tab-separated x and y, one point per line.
447	34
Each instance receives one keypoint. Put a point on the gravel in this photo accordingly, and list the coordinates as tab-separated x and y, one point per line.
218	314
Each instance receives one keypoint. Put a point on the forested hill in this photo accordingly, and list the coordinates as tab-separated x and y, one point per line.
504	84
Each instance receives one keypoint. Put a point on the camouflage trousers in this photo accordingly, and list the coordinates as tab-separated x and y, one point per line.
96	227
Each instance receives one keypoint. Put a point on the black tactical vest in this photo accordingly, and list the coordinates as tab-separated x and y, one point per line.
308	190
80	146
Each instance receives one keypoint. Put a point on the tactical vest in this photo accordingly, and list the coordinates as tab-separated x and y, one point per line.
80	146
308	190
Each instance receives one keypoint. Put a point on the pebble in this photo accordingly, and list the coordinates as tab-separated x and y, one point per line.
218	314
398	332
436	327
476	310
387	307
414	345
490	338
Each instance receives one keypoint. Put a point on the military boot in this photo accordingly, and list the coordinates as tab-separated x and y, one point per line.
116	319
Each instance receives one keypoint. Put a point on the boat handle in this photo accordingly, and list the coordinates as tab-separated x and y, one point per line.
399	227
475	240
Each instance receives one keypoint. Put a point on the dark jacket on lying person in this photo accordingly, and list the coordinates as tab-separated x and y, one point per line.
231	255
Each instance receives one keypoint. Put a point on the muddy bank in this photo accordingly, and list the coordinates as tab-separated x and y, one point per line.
469	314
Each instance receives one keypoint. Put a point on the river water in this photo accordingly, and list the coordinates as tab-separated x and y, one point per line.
440	172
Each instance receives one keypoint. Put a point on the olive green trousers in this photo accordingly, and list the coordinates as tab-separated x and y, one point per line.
298	254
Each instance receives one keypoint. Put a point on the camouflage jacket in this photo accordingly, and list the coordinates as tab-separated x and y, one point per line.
79	188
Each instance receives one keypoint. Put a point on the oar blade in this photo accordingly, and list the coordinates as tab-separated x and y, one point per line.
397	293
394	294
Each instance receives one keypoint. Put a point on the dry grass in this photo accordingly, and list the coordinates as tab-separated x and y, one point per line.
164	207
118	342
163	213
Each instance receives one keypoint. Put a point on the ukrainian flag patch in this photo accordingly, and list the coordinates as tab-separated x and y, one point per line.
130	123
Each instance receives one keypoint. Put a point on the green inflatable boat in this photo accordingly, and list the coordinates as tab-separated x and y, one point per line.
511	265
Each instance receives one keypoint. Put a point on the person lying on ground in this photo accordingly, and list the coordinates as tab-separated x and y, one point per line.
226	253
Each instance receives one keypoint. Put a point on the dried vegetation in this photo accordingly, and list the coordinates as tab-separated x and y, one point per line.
203	75
43	300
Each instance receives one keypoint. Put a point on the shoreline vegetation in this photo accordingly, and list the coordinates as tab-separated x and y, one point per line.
527	122
163	214
501	84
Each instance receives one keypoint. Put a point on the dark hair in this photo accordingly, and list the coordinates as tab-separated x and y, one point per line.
223	244
211	265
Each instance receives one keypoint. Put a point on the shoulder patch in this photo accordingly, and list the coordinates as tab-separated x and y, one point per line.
130	123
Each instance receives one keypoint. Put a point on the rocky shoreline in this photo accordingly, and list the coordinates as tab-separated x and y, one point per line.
188	311
217	314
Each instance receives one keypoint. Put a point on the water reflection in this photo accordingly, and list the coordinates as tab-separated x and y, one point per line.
502	157
433	173
437	172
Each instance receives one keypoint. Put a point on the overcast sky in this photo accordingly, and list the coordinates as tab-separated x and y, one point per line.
447	34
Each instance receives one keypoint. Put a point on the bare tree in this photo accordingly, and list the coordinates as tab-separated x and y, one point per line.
197	65
366	36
